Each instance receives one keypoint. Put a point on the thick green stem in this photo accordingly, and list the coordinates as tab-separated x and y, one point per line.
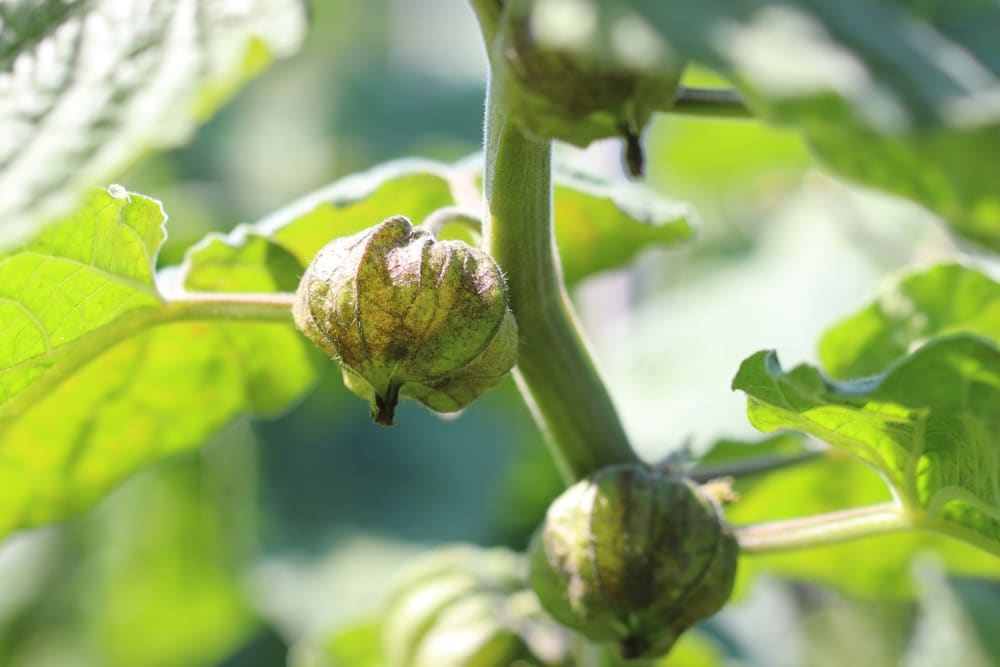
814	531
554	369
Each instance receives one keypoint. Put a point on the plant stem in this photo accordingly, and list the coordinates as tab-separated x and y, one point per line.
264	307
751	466
554	370
488	13
814	531
453	215
709	102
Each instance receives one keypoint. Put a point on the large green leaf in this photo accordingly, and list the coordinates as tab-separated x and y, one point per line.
101	373
894	94
944	299
930	426
89	85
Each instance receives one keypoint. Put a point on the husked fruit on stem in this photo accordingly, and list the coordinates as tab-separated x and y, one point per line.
580	70
408	316
633	556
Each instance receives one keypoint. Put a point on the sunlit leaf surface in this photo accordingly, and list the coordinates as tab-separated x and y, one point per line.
943	299
100	377
930	425
87	86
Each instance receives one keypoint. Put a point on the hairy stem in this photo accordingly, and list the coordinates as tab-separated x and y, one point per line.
488	14
453	215
709	102
554	369
814	531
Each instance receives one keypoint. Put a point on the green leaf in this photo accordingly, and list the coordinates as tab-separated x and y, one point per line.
102	374
163	588
90	85
897	95
602	224
149	579
944	299
874	568
413	188
930	426
941	168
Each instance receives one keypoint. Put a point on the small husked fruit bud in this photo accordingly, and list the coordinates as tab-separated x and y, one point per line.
465	606
580	70
406	315
635	557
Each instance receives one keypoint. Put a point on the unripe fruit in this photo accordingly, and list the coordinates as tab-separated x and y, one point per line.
409	316
469	607
633	556
580	70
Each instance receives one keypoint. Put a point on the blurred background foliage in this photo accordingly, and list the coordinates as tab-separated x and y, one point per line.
265	542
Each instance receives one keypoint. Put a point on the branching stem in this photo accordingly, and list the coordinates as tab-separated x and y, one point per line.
758	464
822	529
453	215
262	307
710	103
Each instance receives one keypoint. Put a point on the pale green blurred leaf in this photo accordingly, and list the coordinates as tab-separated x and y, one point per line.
930	426
847	630
97	378
359	645
981	602
164	591
90	85
946	170
602	224
897	95
943	632
943	299
695	649
149	579
728	160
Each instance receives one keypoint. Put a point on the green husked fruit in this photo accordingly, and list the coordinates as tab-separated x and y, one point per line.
469	607
580	70
409	316
634	557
